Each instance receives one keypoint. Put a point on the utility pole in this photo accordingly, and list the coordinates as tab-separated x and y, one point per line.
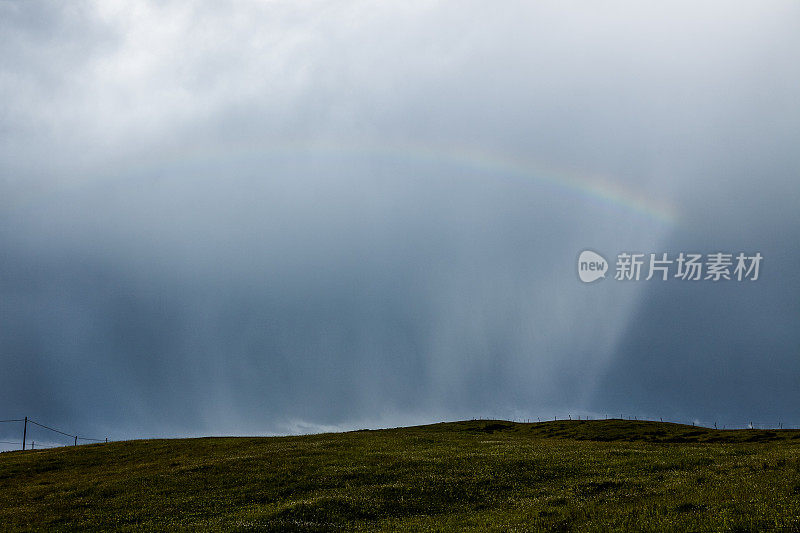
24	433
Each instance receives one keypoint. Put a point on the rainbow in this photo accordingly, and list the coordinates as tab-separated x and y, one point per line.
592	187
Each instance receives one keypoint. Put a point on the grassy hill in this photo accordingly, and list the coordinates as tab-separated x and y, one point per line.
473	475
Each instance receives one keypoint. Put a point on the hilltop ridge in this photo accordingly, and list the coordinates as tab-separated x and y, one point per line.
474	475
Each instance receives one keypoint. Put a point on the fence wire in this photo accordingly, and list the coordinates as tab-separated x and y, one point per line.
74	437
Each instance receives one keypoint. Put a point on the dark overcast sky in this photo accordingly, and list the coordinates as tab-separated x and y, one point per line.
298	216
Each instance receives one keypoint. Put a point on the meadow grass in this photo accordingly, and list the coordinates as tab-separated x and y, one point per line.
474	476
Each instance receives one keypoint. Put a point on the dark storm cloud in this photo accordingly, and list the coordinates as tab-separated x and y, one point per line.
724	353
263	314
180	257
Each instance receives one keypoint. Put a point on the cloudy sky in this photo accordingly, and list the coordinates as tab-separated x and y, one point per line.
280	217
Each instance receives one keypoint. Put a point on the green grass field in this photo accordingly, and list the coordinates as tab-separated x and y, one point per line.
476	475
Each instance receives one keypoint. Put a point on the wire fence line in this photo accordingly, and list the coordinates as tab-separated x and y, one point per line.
25	421
35	446
76	438
779	425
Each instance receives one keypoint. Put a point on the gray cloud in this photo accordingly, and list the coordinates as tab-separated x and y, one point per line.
273	217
